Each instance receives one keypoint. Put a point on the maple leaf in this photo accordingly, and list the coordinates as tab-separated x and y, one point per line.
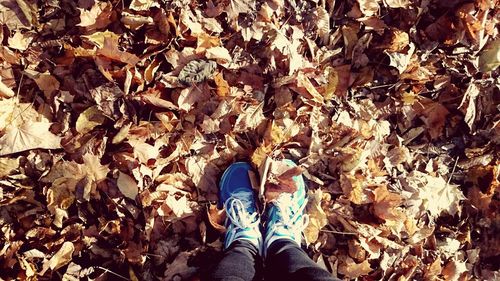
28	136
432	194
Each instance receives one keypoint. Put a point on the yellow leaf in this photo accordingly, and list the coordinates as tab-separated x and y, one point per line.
222	85
303	81
89	119
333	82
97	38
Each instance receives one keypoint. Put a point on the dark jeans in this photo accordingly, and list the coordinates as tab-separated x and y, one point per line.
285	261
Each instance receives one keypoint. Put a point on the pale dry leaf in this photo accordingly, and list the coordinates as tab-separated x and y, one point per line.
237	7
250	118
401	60
90	17
369	7
432	194
28	136
63	256
7	165
397	3
127	185
95	170
134	22
303	81
204	175
5	91
89	119
20	41
111	51
350	269
220	54
144	151
323	24
142	5
97	38
13	16
468	104
180	206
317	217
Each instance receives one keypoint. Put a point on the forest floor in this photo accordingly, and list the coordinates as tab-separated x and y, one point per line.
118	117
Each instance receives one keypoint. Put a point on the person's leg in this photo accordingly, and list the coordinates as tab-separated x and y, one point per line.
241	262
243	239
285	260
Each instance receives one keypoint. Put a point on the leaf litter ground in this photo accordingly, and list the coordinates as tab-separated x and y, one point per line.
118	117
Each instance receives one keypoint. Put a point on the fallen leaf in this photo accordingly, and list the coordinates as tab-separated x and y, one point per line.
317	217
489	59
250	118
7	165
220	54
28	136
433	195
5	91
353	270
63	256
397	3
369	7
127	185
111	51
89	119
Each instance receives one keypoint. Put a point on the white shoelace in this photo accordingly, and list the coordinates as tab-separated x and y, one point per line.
236	211
284	204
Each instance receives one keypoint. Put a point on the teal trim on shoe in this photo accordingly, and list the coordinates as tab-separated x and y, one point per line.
285	215
238	199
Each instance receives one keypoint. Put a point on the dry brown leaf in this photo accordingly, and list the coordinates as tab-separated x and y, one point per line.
453	270
250	118
222	85
111	51
352	270
97	17
280	179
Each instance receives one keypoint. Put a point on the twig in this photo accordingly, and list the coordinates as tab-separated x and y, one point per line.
452	172
338	232
114	273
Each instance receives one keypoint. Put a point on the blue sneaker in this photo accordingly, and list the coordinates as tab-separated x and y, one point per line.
236	193
285	215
